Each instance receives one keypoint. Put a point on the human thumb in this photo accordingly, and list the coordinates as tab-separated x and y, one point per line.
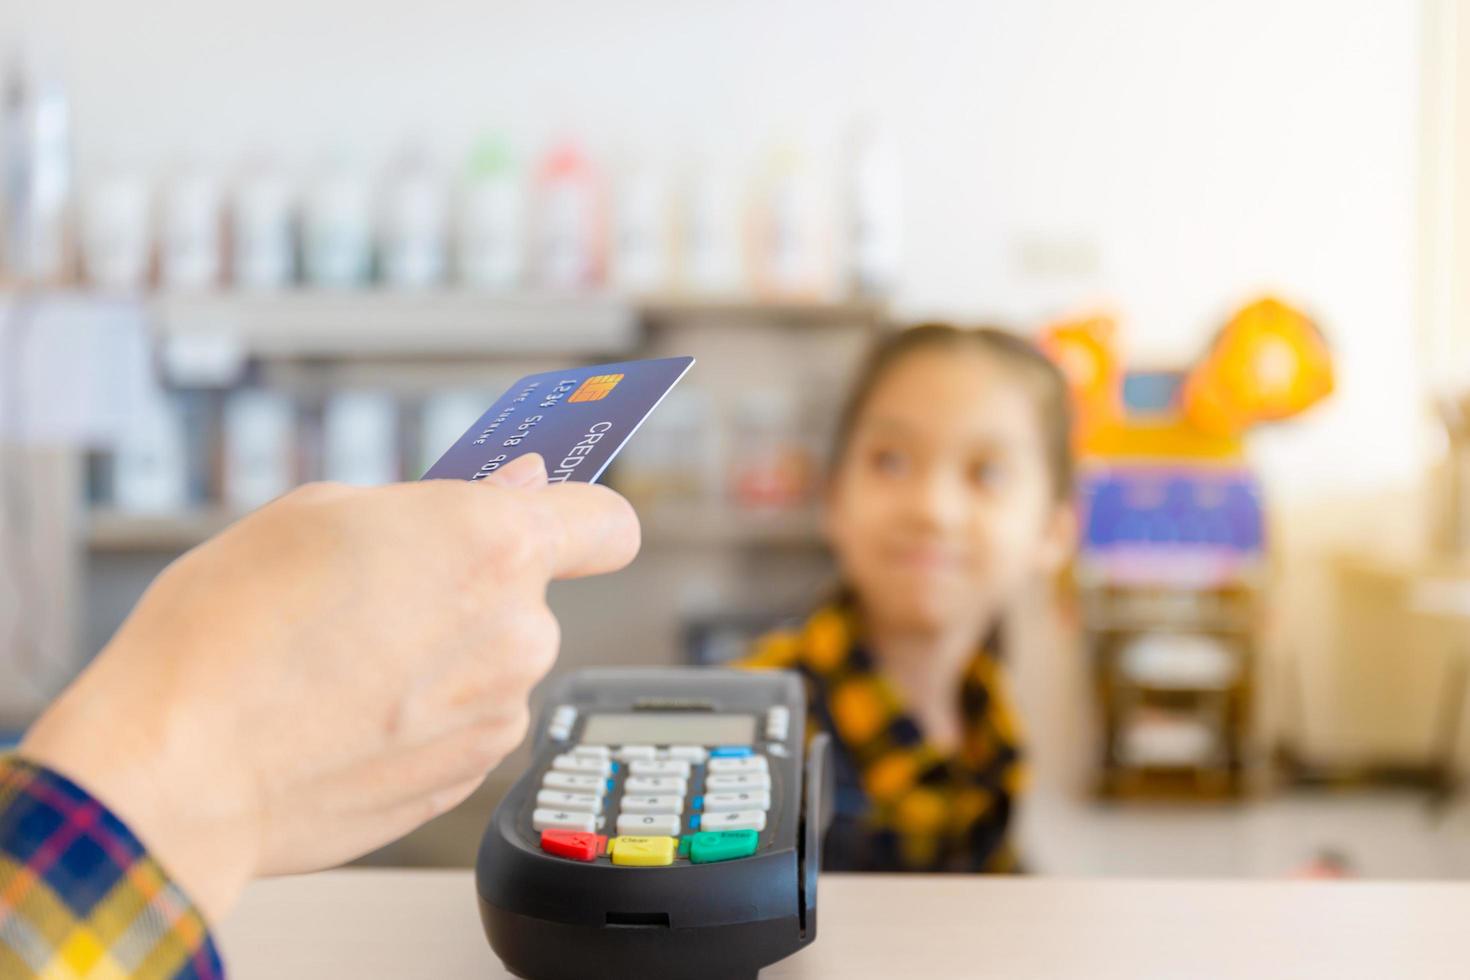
523	473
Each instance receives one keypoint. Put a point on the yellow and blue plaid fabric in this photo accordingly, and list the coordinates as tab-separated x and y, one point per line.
79	895
901	803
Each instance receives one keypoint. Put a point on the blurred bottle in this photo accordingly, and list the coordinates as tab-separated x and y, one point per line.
874	214
492	220
641	241
150	465
260	430
787	246
116	231
673	461
415	225
709	230
262	225
337	228
567	250
360	435
446	416
770	467
190	233
35	172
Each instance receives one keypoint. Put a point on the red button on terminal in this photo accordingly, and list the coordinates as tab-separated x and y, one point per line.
575	844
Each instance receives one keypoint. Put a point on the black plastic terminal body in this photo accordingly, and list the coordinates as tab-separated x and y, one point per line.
551	918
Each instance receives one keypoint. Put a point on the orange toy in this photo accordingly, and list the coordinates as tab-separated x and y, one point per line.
1268	363
1087	354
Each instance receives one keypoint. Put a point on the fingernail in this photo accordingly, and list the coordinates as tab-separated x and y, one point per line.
523	471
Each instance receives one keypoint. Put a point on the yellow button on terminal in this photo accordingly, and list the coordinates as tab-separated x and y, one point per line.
643	852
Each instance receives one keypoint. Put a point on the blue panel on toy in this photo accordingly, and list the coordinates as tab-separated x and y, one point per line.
1154	523
1151	392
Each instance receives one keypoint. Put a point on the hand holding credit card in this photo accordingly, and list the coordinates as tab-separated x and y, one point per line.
577	419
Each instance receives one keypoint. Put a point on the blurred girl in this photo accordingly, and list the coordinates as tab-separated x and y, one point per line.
949	489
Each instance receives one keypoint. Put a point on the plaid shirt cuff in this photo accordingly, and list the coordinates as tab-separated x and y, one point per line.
79	895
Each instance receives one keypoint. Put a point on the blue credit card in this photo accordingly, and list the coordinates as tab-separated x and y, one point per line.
576	419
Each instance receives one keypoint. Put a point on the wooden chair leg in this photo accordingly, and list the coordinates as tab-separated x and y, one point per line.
1451	715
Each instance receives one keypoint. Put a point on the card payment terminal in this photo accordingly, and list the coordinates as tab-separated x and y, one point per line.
670	826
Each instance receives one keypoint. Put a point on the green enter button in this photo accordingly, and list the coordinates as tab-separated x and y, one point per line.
722	845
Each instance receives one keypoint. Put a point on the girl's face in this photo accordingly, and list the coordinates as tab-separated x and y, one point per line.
942	506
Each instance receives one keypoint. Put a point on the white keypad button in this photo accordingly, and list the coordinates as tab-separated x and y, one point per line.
734	820
659	767
656	785
550	819
593	751
688	753
724	802
735	781
753	763
652	804
562	719
560	799
778	723
560	725
627	753
585	765
654	824
574	783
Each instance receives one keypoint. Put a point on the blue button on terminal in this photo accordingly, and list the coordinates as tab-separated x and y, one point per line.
730	752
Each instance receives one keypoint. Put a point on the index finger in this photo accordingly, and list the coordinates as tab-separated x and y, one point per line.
587	529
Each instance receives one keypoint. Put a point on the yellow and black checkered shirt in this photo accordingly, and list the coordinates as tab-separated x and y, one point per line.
901	804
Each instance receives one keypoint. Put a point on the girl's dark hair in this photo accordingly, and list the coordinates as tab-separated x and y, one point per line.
1049	387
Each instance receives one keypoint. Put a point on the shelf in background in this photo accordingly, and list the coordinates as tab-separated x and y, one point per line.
116	531
207	338
386	323
684	311
704	525
120	531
